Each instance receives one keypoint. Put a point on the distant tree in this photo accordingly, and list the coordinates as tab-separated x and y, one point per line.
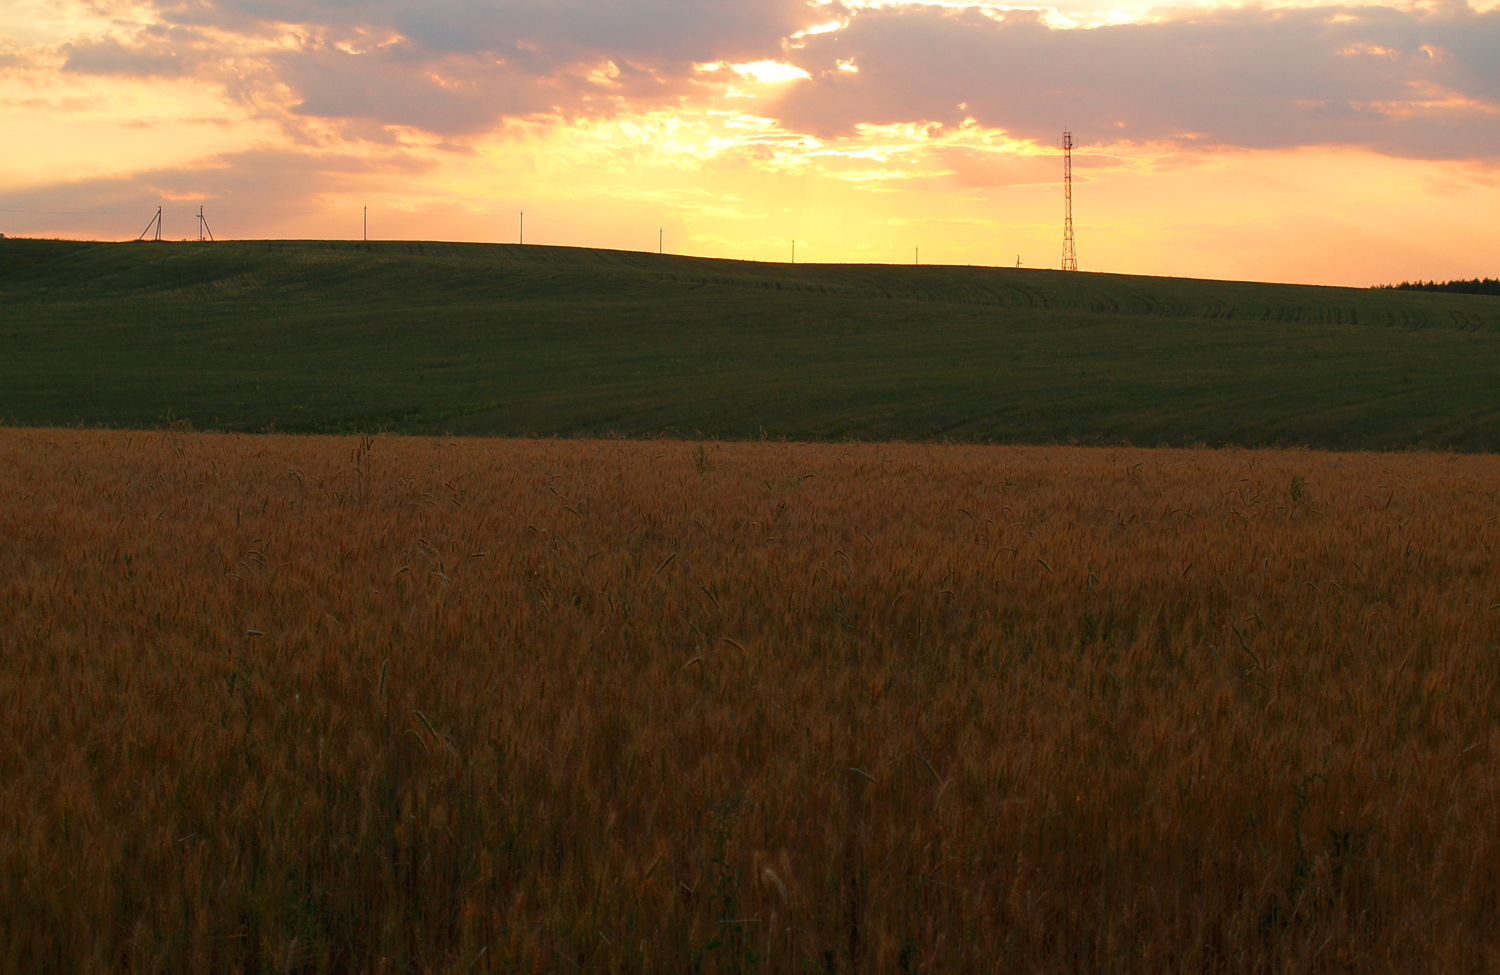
1478	286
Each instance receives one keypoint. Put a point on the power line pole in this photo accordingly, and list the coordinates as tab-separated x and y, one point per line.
916	255
522	238
794	251
203	227
660	234
1069	255
155	223
367	224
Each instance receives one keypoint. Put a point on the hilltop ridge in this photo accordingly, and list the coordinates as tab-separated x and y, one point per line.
567	269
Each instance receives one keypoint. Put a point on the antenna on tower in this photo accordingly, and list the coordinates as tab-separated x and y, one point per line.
1069	255
154	224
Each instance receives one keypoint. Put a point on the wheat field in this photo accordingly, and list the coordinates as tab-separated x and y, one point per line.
276	704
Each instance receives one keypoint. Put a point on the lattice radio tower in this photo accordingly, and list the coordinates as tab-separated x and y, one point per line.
1069	255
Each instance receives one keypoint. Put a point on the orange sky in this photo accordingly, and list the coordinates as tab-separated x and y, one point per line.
1338	145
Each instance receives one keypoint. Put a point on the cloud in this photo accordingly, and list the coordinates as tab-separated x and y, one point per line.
288	185
449	67
1417	82
551	32
448	96
973	168
1420	83
107	56
17	60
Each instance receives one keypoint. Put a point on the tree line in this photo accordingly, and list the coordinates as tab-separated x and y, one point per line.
1477	286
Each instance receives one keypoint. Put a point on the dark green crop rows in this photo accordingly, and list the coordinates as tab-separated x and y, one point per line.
498	339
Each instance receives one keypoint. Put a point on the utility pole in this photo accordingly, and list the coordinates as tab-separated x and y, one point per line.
156	224
203	227
522	238
659	237
1069	254
367	224
916	255
794	251
1018	260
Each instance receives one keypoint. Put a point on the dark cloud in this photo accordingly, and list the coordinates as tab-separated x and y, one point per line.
1406	82
452	96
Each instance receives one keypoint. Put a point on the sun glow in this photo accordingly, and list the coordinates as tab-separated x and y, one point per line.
761	72
289	129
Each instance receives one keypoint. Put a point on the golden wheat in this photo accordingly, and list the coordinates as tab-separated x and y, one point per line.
311	704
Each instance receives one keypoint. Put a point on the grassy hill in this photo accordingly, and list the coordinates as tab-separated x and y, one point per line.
504	339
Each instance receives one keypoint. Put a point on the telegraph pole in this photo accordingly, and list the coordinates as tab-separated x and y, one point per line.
156	224
522	238
794	251
1069	254
660	234
916	256
367	224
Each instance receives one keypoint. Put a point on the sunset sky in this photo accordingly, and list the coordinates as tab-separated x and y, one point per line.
1270	141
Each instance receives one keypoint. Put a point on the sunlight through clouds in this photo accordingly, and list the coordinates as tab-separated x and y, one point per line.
742	124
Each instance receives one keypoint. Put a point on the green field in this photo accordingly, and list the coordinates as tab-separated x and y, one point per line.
506	340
